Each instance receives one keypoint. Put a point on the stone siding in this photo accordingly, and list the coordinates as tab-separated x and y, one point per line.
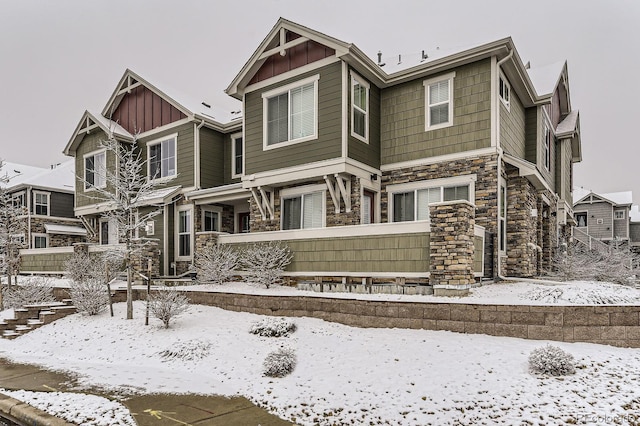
452	248
522	227
56	240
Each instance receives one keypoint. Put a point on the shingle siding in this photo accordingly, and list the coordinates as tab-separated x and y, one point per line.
512	127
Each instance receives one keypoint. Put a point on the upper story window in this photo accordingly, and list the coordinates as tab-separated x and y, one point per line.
504	89
95	170
546	148
439	102
290	113
411	201
162	158
303	207
581	219
359	108
41	203
19	200
619	214
237	155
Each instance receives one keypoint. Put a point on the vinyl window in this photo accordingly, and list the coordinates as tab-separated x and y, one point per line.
414	204
303	211
162	158
619	214
359	108
41	203
439	102
504	90
185	233
237	156
95	170
40	240
211	219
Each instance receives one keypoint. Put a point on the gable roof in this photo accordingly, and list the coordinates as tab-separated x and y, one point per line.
13	174
60	178
623	198
546	78
90	122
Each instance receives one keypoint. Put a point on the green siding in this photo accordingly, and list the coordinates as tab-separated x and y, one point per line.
367	254
548	175
329	142
403	136
213	168
512	127
184	152
51	262
531	134
90	143
228	149
367	153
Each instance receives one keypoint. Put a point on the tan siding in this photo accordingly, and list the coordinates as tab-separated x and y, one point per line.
403	136
185	153
212	158
327	145
512	127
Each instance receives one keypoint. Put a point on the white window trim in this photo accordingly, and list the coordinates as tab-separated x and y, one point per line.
429	82
177	233
151	143
213	209
576	213
376	202
299	191
279	91
35	204
546	149
433	183
33	239
356	78
234	173
624	215
88	188
505	82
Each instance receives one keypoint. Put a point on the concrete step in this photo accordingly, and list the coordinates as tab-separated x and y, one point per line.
10	334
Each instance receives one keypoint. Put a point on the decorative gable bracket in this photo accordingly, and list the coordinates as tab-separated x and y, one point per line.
339	187
263	196
283	46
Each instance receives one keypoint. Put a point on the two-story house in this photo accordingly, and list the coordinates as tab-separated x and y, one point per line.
602	216
346	158
46	197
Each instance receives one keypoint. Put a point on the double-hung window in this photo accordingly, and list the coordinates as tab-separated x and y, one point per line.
303	211
290	113
95	170
359	108
504	89
439	102
41	203
237	155
546	148
185	231
411	201
162	158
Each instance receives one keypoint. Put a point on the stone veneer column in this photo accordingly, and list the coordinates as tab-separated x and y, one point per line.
451	248
205	240
522	229
150	250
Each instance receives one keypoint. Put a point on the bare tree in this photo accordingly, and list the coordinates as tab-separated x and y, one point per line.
167	304
127	189
12	228
265	262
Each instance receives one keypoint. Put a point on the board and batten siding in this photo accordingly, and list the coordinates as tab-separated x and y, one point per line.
184	151
512	127
367	153
329	141
90	143
212	158
402	109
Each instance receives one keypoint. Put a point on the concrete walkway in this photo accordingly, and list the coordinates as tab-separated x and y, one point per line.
162	409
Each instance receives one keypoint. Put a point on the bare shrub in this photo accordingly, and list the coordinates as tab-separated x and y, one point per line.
279	363
216	264
551	360
273	327
31	291
191	350
89	276
265	262
167	305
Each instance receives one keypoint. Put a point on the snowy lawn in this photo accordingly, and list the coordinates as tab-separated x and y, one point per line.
347	375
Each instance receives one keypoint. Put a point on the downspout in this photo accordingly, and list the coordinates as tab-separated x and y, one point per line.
28	199
196	167
499	168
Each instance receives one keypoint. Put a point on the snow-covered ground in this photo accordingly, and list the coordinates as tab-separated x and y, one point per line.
347	375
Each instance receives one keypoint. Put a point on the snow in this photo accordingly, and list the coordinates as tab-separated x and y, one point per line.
345	374
545	78
634	214
62	177
569	123
618	198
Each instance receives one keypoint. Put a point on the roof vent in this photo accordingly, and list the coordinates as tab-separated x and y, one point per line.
424	56
380	63
399	59
527	65
206	104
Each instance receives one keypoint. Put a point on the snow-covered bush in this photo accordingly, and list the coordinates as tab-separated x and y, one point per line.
167	305
279	363
89	276
265	262
273	327
551	360
190	350
31	291
216	264
89	296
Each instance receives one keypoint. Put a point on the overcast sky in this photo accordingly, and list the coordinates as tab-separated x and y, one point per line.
60	58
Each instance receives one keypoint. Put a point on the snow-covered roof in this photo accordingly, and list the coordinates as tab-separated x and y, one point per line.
545	78
620	198
569	123
54	228
634	214
110	125
159	196
61	177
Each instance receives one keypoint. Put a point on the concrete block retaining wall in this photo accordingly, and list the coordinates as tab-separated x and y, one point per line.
610	325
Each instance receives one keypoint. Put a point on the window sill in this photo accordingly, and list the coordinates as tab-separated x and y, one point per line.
360	138
266	147
438	126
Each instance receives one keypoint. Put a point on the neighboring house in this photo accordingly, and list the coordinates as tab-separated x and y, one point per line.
46	195
605	217
346	158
